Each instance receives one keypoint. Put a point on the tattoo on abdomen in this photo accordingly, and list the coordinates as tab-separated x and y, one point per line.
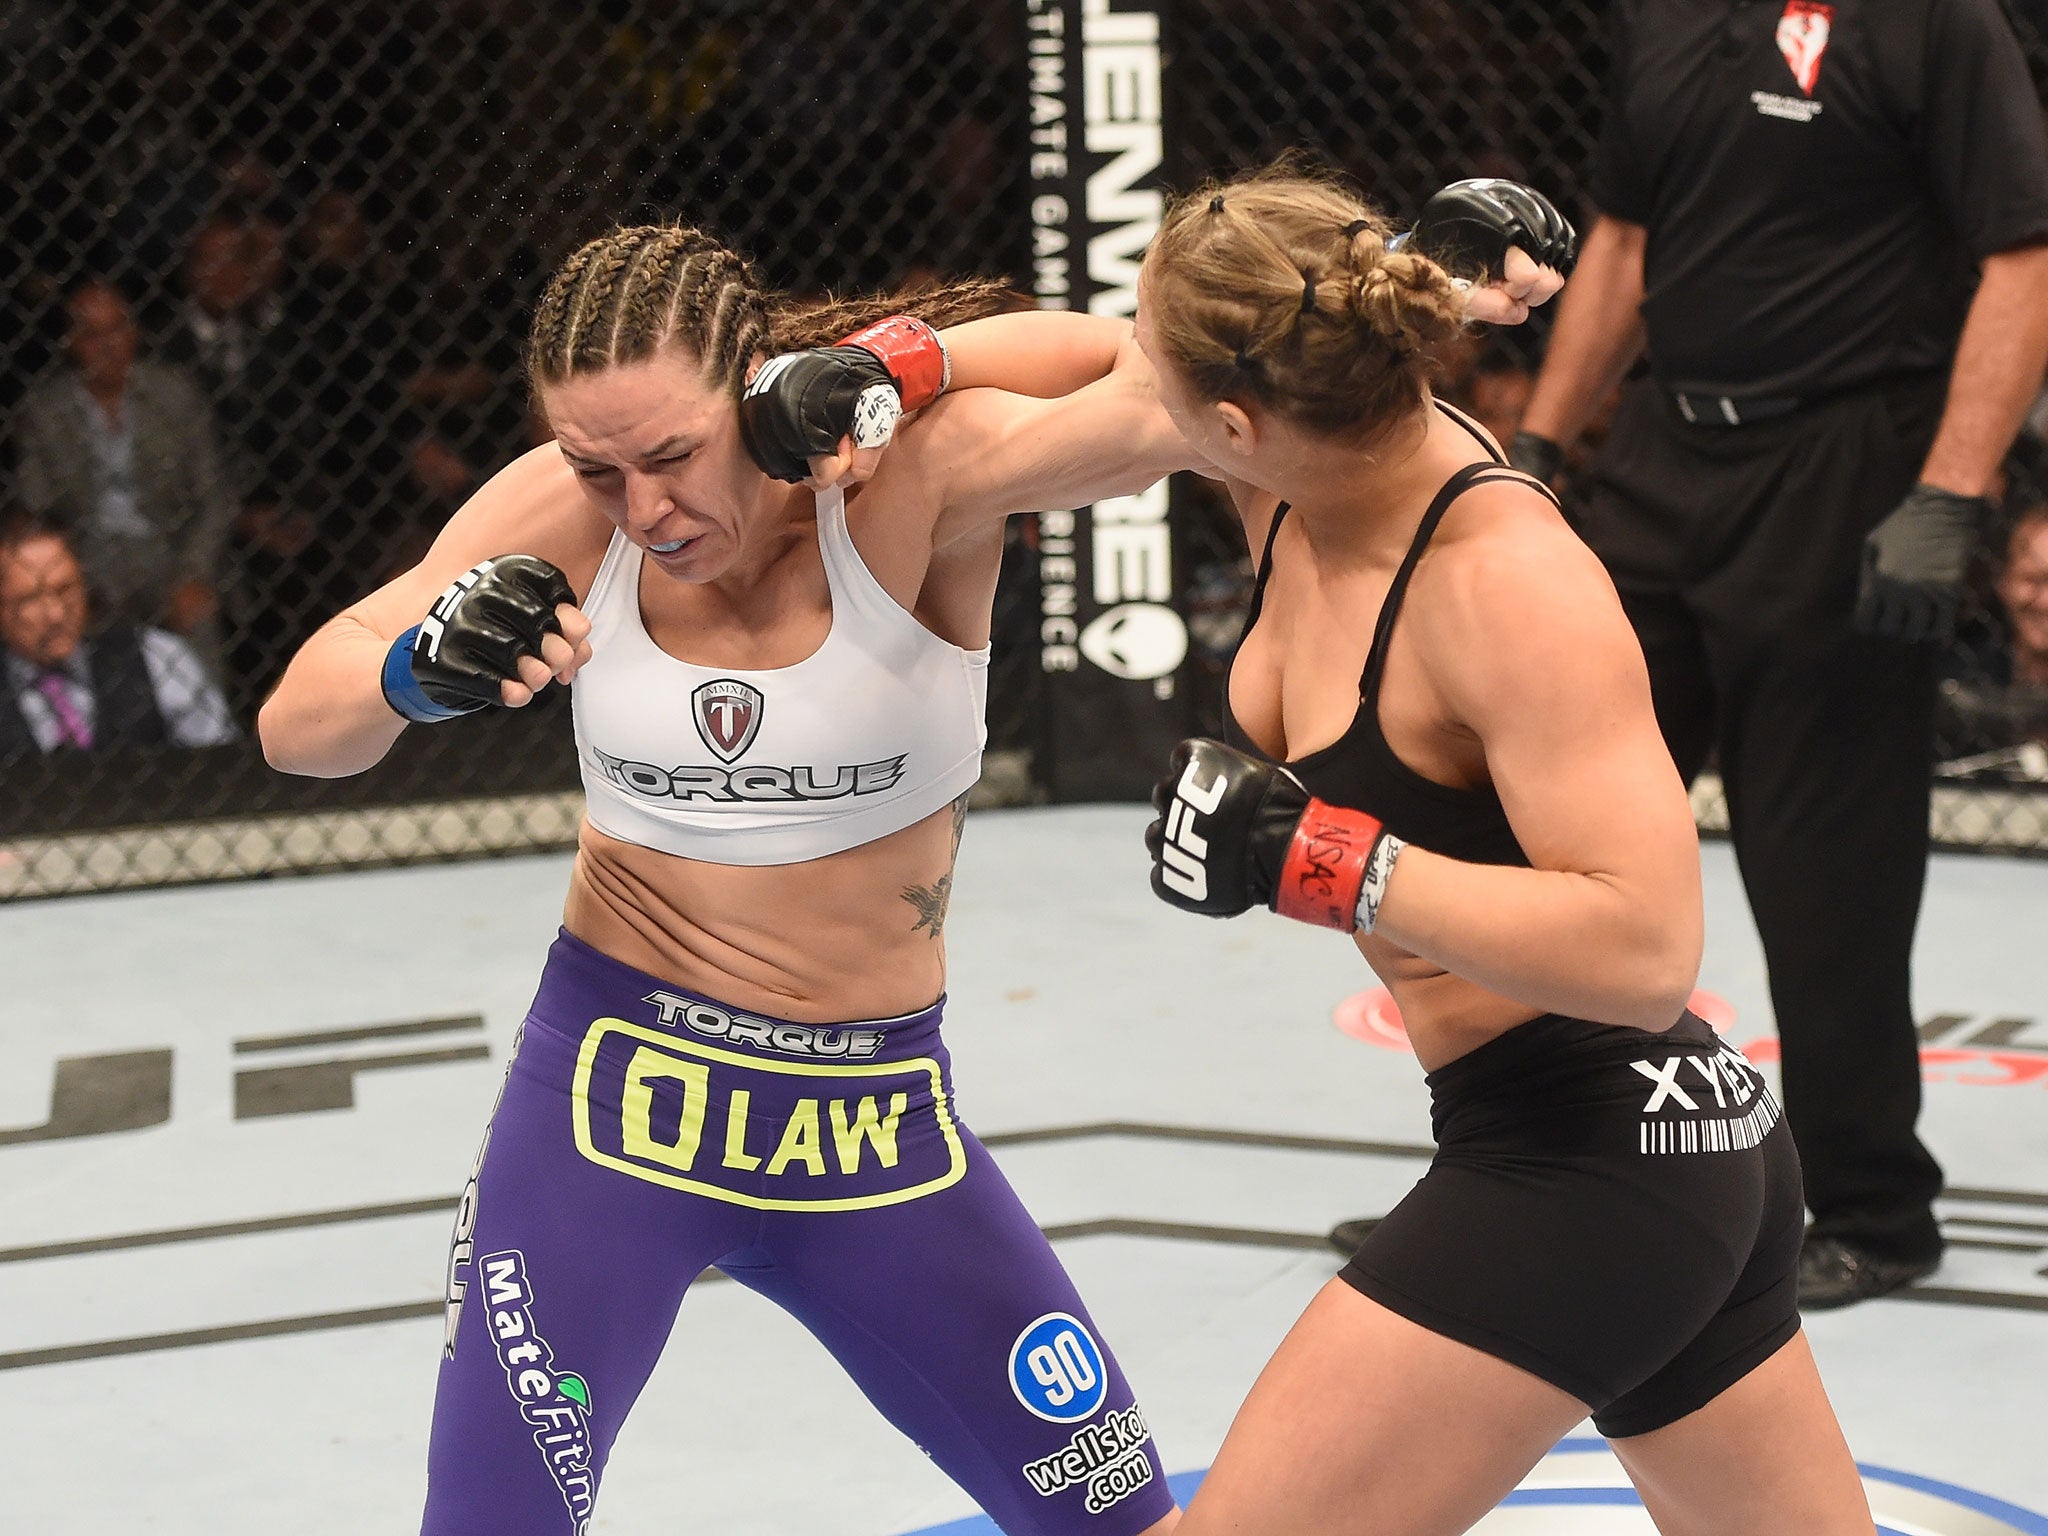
930	900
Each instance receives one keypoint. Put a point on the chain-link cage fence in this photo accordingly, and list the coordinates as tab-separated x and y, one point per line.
268	267
298	246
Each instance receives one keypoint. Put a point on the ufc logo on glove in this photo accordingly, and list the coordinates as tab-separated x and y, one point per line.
1181	859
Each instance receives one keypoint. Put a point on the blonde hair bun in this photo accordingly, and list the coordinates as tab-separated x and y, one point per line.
1408	299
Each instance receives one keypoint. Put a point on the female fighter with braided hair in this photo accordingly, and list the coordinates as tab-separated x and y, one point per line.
734	1056
1443	745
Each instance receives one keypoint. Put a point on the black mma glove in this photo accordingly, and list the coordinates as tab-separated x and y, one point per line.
1914	563
1536	455
799	405
1468	227
1234	832
452	661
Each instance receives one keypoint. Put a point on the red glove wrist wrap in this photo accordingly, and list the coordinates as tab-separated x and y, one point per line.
1325	866
912	353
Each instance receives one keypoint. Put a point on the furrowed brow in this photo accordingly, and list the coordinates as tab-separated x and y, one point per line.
658	451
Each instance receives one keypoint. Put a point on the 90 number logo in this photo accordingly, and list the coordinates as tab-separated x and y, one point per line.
1056	1369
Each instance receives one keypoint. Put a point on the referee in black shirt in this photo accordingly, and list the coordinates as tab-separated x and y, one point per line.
1825	221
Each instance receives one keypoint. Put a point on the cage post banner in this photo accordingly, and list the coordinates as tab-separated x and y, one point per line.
1111	640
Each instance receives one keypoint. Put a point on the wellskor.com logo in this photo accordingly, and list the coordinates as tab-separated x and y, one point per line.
1108	1457
555	1403
1058	1373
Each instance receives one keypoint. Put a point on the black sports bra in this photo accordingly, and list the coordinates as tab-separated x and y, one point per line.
1359	769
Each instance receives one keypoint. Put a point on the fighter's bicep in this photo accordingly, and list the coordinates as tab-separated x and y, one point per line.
1549	676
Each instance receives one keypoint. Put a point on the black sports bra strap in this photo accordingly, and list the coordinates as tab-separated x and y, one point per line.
1481	473
1479	436
1453	488
1265	569
1472	426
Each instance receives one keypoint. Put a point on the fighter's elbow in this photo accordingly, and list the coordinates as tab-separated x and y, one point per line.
1661	979
296	744
275	736
1663	1000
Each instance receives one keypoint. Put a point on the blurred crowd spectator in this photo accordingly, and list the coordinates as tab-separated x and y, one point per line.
268	280
2023	589
1993	721
123	452
73	686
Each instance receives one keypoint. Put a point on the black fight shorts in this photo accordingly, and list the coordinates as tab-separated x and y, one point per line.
1614	1211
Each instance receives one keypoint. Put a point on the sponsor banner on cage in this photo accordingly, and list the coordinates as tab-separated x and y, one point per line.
1111	634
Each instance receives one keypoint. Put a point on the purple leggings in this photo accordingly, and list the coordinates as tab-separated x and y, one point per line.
644	1133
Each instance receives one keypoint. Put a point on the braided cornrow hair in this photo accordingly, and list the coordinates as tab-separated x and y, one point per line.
626	296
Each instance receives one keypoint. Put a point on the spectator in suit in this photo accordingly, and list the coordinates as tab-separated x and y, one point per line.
123	454
230	331
229	334
124	686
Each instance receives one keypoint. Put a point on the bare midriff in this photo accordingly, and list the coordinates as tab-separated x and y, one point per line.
1445	1015
851	936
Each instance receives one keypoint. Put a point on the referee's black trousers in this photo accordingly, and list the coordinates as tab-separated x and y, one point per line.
1735	550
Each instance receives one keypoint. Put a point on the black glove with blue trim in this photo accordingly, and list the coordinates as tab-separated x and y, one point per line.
456	660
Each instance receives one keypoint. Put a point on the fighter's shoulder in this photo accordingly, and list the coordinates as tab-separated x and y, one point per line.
532	506
1505	579
933	448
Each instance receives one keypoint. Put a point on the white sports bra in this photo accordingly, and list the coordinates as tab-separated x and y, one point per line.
879	727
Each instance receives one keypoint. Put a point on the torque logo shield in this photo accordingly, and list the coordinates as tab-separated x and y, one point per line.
728	716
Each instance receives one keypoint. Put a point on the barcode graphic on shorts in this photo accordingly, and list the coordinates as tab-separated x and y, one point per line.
1712	1135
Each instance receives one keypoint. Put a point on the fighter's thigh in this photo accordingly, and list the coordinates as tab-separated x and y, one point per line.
957	1320
564	1280
1764	1457
1366	1422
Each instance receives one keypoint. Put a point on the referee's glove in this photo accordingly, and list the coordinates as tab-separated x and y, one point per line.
1538	456
1914	563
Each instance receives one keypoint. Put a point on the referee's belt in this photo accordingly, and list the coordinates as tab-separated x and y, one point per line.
1731	410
